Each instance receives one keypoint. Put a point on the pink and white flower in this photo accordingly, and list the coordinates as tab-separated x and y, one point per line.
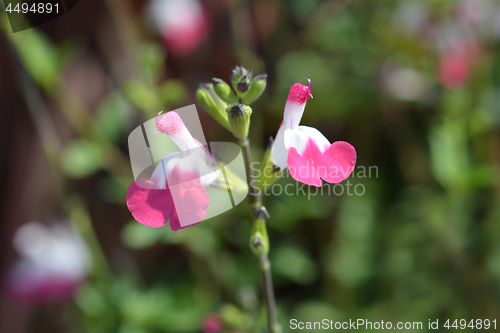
54	261
305	150
177	188
183	24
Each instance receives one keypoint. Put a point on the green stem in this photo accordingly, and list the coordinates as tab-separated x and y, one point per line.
259	242
253	196
267	286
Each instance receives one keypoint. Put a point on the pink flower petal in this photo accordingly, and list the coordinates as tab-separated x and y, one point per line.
300	93
453	72
212	323
149	206
184	200
334	165
189	196
29	283
174	222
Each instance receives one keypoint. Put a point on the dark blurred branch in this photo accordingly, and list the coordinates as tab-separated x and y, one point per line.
51	146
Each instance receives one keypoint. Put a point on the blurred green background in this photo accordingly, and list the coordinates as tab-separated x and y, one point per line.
414	86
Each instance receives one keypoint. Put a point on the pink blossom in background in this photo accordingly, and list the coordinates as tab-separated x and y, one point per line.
453	71
176	191
183	24
456	36
212	323
455	64
305	150
54	261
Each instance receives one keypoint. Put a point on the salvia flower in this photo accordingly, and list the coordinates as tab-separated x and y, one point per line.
177	188
183	24
54	261
307	153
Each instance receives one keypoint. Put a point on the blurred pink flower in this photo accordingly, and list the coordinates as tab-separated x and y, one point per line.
212	323
305	150
176	190
455	64
183	24
453	71
54	261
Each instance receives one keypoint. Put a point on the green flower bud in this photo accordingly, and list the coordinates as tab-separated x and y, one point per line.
209	100
257	87
269	173
249	74
242	86
239	119
224	91
259	241
238	73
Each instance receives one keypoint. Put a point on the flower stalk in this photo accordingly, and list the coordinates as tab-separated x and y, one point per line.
259	241
213	97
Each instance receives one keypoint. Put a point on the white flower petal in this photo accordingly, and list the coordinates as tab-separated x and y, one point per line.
58	250
316	136
293	114
298	139
198	160
279	153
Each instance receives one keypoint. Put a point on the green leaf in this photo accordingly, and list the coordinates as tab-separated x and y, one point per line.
173	92
39	56
82	158
351	260
312	311
91	301
294	263
137	236
151	57
113	117
142	96
113	189
200	239
448	152
145	309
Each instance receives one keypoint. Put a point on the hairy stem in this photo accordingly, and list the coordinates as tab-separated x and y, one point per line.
259	241
253	197
267	286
